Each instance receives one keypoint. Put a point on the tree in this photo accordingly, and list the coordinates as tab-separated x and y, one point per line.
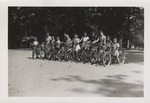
125	23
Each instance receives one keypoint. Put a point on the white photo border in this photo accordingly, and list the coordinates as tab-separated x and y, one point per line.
49	3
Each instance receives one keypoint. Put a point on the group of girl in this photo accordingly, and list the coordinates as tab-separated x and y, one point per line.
77	44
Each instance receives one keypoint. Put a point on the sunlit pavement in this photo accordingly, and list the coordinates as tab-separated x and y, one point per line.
43	78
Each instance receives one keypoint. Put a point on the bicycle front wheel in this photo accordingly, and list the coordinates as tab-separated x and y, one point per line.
61	55
122	57
42	54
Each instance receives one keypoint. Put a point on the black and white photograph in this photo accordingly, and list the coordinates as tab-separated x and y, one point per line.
75	51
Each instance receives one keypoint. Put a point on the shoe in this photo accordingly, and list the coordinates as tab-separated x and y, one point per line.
37	57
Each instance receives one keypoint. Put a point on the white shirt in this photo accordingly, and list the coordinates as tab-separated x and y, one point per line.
48	39
35	42
115	46
57	42
85	39
76	40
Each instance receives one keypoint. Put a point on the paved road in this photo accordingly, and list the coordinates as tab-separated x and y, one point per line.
42	78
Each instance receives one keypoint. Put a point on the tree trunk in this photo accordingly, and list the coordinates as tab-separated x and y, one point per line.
30	39
128	25
128	44
20	39
26	38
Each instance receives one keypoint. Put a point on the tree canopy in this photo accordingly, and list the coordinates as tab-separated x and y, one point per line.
125	22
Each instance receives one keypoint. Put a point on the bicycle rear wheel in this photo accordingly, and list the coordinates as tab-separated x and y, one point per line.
93	56
106	58
85	55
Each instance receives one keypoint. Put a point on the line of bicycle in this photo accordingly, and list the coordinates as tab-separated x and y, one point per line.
93	53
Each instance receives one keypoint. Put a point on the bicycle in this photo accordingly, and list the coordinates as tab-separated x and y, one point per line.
85	53
109	57
52	53
40	52
65	52
93	53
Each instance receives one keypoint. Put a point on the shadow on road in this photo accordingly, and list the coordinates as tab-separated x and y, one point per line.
136	57
112	86
120	77
137	72
29	57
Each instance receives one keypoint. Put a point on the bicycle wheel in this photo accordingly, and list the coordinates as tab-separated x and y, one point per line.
53	54
82	56
79	54
42	54
106	58
47	54
67	55
121	57
93	56
85	55
61	55
73	55
99	57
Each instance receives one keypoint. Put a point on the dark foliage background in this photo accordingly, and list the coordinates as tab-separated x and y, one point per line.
125	23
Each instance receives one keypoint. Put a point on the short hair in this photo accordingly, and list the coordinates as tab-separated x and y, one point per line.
108	36
76	35
35	38
115	38
58	37
93	32
85	33
67	36
101	31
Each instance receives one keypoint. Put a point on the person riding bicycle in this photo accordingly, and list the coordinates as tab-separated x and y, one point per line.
52	43
115	49
102	40
47	44
48	41
109	43
85	40
76	46
68	42
57	44
94	38
48	38
35	46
